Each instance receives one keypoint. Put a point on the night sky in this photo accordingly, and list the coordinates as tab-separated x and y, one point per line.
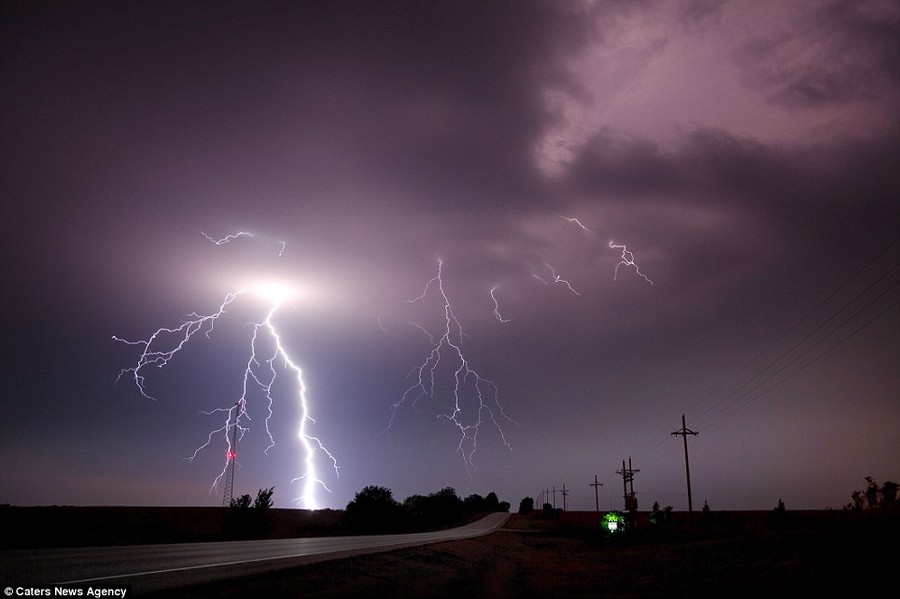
745	153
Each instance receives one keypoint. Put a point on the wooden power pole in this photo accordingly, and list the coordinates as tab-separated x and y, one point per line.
627	475
596	486
684	432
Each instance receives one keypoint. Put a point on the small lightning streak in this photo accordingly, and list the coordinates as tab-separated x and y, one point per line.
468	385
576	221
558	279
227	238
627	259
497	306
259	373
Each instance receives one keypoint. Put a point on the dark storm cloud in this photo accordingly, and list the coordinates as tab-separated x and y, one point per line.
841	52
402	91
746	165
169	109
695	12
728	206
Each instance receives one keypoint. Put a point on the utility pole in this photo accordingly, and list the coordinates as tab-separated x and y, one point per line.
684	432
564	493
628	481
554	496
596	486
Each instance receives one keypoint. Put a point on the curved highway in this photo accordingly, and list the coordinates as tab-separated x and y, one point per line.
154	567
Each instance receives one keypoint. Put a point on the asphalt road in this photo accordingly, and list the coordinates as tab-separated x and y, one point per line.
155	567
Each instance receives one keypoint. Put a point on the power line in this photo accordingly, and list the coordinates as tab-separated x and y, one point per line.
797	323
805	339
714	417
803	367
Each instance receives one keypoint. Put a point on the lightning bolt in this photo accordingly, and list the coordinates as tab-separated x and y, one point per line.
627	259
469	387
282	245
173	339
497	305
576	221
227	238
260	372
556	279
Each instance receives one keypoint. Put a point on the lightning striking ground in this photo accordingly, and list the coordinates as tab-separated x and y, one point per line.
260	373
469	387
627	259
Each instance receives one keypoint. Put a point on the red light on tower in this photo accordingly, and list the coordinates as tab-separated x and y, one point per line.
231	455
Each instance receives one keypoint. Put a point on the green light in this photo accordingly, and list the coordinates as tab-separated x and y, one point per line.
613	522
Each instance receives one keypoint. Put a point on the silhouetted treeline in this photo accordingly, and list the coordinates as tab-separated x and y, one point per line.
247	517
874	497
374	510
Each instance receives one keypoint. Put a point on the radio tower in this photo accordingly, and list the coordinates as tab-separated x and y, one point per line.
232	458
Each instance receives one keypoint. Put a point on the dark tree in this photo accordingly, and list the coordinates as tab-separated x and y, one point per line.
263	499
447	505
660	516
374	509
241	503
245	520
889	495
526	506
415	504
779	514
372	497
475	504
874	497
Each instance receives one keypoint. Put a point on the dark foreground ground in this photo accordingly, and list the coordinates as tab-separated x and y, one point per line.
838	560
822	554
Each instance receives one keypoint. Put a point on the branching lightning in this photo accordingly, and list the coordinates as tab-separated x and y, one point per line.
627	259
282	245
469	387
172	341
260	372
227	238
